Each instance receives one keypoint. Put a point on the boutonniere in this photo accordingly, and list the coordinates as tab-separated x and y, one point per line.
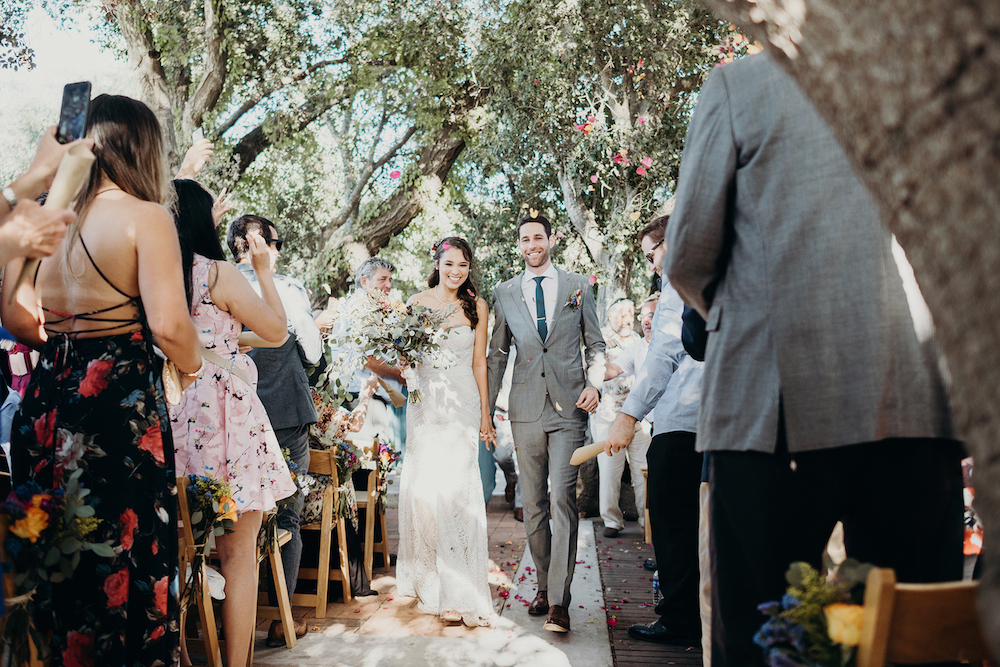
574	299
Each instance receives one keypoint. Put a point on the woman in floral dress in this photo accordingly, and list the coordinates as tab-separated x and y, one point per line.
220	427
95	401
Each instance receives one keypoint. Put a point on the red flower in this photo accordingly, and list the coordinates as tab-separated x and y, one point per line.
612	621
157	633
136	335
45	426
96	380
621	159
116	588
160	591
152	442
77	653
129	523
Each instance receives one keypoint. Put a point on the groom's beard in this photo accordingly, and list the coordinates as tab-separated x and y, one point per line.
537	260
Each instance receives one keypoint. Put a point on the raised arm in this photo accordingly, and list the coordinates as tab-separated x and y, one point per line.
233	292
696	235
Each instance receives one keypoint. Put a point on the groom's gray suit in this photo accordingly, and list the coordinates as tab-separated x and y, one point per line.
547	381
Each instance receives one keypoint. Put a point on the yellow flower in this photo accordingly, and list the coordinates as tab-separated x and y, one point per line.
227	509
843	623
32	525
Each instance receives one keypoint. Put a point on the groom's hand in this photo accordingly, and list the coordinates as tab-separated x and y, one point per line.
620	434
589	399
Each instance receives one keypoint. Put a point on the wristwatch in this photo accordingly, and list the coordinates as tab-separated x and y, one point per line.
10	196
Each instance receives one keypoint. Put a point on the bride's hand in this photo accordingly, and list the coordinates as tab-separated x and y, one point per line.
487	433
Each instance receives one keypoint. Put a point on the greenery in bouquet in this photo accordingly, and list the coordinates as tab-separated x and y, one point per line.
817	623
47	530
380	325
213	513
332	422
350	458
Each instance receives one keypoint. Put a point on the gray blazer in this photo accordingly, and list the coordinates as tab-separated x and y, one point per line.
777	244
555	364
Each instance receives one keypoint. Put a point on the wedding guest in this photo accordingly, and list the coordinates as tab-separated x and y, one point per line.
618	336
815	380
282	385
220	427
95	401
623	368
667	385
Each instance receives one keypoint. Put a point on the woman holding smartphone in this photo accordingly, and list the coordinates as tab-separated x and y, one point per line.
95	402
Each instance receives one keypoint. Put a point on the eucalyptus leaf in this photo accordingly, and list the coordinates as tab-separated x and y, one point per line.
102	549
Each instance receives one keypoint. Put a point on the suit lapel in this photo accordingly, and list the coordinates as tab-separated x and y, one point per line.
521	306
562	296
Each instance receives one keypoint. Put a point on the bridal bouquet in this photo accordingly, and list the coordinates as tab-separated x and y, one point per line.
382	326
46	530
817	623
213	512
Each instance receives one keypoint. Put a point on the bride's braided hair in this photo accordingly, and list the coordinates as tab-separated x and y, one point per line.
467	292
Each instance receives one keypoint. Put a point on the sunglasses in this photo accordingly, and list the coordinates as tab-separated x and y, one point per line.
277	244
649	255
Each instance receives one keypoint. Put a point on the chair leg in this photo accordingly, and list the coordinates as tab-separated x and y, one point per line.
369	536
345	572
206	614
322	576
384	544
281	592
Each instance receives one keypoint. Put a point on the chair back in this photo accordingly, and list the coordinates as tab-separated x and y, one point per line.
911	624
323	462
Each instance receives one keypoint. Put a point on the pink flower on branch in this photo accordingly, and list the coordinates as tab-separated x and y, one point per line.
593	179
641	171
647	162
620	159
394	174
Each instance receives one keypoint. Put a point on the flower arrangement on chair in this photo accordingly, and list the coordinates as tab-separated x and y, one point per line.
817	622
213	513
46	530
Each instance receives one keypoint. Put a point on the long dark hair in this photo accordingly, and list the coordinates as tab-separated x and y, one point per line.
195	228
467	292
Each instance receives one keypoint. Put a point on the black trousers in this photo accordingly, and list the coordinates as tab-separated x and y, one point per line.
674	474
900	501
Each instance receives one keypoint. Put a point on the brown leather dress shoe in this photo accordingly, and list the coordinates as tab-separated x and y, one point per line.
558	619
519	514
276	633
540	605
508	493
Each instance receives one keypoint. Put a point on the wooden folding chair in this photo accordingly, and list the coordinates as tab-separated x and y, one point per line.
208	644
374	512
912	624
322	462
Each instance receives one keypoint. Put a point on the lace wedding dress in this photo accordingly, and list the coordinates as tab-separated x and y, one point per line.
443	559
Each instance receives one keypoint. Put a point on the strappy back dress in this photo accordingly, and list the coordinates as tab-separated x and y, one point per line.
220	426
97	404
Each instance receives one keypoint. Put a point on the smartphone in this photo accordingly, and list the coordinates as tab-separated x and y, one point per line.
197	135
73	115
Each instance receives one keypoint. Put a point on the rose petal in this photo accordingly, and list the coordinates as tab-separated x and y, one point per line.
394	174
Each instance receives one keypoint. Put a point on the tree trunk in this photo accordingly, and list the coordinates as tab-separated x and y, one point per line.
927	146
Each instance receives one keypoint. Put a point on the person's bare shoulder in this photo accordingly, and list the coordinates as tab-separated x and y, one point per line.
422	298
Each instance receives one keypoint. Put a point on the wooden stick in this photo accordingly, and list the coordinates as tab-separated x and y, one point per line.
586	453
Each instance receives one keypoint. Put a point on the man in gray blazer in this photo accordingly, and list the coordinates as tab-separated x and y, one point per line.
547	313
818	403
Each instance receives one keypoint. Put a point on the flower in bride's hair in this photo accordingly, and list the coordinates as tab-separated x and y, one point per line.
445	246
471	293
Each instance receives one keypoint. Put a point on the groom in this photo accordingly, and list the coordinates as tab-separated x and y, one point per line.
545	312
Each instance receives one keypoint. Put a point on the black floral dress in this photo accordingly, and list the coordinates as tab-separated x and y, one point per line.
97	404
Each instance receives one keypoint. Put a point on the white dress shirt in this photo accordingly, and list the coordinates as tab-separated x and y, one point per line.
550	288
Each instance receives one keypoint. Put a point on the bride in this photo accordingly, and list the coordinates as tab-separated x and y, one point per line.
443	559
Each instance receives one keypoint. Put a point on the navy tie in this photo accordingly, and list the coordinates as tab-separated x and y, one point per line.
543	328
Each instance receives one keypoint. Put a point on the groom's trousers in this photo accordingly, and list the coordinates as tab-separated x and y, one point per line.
544	448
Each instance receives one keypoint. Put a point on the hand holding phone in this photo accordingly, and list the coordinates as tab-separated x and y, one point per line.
73	114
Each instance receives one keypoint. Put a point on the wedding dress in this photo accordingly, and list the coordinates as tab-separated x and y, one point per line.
443	555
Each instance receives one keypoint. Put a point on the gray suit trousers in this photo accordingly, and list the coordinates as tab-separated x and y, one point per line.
544	448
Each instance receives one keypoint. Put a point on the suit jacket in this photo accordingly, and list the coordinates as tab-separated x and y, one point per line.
775	241
554	365
282	384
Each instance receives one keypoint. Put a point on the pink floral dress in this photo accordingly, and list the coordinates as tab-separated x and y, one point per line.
220	426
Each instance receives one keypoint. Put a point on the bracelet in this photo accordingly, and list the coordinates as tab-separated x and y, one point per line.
10	196
195	374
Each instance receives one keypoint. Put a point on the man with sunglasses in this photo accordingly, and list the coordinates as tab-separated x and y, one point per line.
668	385
283	386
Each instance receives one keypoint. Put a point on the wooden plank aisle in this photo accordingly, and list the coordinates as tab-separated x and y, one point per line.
628	586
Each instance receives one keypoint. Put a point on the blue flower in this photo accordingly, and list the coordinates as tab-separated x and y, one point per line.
789	601
769	608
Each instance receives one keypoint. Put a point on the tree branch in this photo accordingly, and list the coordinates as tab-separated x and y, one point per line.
214	76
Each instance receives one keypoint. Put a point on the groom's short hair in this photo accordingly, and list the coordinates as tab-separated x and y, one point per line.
655	230
540	219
